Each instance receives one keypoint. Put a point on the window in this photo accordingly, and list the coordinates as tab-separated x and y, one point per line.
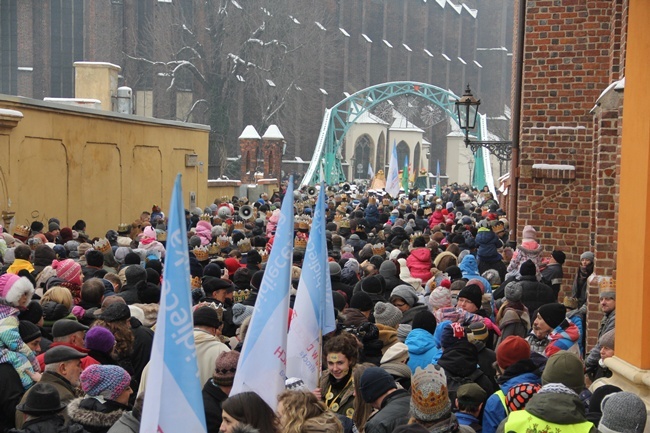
8	47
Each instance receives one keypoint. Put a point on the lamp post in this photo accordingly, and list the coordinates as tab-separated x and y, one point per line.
467	112
470	165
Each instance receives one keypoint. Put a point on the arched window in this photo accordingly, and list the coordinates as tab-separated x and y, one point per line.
416	160
380	160
362	151
403	152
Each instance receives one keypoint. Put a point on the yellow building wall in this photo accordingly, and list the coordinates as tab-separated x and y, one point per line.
102	167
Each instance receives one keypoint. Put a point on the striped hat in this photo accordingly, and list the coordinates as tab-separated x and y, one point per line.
108	381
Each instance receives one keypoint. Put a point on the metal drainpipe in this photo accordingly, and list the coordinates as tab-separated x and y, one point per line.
516	122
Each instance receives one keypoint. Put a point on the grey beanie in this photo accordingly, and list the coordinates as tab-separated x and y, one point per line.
513	291
240	312
405	292
403	331
387	314
194	241
335	269
587	255
623	412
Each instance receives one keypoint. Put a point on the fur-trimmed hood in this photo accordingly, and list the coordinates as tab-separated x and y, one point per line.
95	415
12	288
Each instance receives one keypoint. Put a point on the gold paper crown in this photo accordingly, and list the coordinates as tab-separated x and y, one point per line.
223	241
124	228
344	224
606	285
225	199
264	255
244	245
378	249
213	249
239	225
102	245
22	231
161	236
304	223
338	217
385	202
415	235
206	217
300	243
372	200
201	253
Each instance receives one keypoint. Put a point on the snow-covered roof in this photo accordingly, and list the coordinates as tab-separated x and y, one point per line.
273	133
366	117
249	133
98	65
11	113
402	124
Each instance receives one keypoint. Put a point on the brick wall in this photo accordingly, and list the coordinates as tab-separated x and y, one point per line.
573	51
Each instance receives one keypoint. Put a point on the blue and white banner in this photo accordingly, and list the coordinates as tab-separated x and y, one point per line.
392	179
371	172
438	179
313	310
263	358
173	400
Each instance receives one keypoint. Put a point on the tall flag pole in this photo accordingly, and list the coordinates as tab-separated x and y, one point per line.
313	310
392	180
262	363
371	172
174	370
438	179
405	175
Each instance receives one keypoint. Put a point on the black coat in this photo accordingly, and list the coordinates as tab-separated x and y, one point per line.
213	396
460	364
394	412
11	391
49	424
130	294
141	347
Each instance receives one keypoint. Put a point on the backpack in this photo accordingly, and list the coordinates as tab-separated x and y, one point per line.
454	382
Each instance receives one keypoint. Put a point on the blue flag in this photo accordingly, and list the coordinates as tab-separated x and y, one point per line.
174	402
262	363
313	311
392	179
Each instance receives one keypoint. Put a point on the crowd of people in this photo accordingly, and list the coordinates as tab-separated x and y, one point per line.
443	325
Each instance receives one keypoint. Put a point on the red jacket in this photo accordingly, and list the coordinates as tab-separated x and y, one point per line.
419	263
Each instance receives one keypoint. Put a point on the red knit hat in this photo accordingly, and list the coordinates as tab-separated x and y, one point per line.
68	270
512	350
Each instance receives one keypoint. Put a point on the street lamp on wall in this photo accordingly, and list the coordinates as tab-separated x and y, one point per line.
470	165
467	112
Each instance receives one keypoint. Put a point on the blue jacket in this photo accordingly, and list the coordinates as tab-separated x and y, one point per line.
372	215
422	348
488	243
469	269
494	411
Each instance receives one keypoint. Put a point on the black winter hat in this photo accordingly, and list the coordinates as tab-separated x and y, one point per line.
361	301
454	273
115	312
212	270
211	285
253	258
553	314
28	331
148	293
134	274
132	259
256	280
424	320
375	381
153	276
371	284
472	292
37	226
206	316
33	313
559	256
528	268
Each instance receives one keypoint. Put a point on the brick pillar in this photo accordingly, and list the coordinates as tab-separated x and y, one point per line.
249	142
272	144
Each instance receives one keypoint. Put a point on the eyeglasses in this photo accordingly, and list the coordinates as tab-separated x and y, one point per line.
399	305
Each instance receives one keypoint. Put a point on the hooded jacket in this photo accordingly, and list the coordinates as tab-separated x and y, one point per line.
460	363
94	415
469	269
488	243
524	371
419	263
388	270
556	408
422	348
208	349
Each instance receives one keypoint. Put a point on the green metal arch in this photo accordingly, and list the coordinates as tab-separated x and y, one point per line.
338	120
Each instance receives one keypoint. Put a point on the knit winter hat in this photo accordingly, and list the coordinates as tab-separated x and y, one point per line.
520	394
406	292
371	284
115	312
513	291
335	269
53	226
587	255
134	274
28	331
565	368
559	256
206	316
511	350
387	314
424	320
440	297
529	232
240	312
33	313
429	394
361	301
100	339
472	293
528	268
68	270
374	382
623	412
451	333
477	331
13	287
403	331
607	340
225	368
108	381
553	314
398	352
